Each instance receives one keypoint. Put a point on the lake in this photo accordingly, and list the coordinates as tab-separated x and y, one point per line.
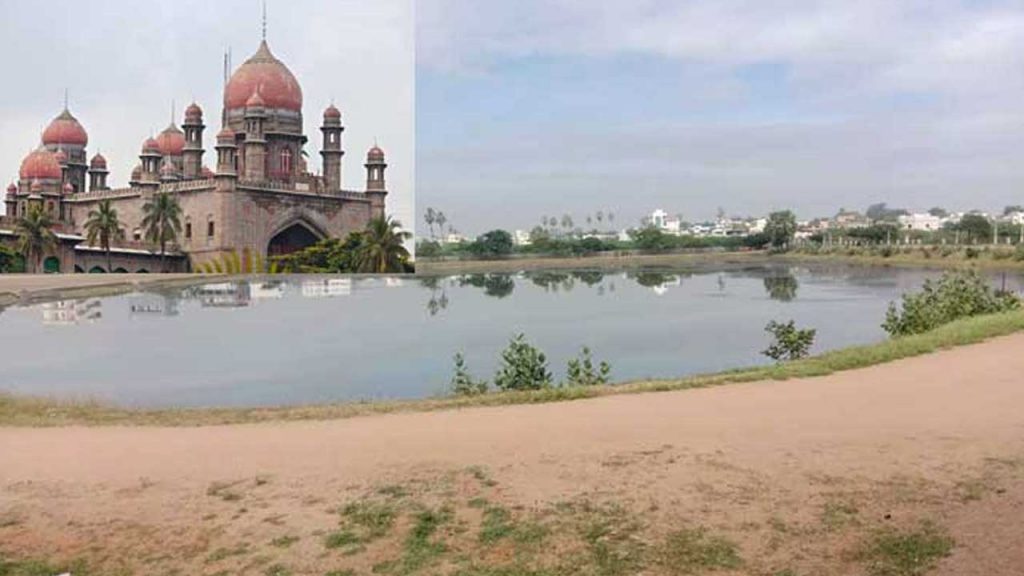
312	339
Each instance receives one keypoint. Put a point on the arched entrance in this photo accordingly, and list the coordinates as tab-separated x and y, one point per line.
79	269
120	271
97	270
291	239
51	265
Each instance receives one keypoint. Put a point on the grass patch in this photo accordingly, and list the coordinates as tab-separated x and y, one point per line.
837	515
10	567
284	541
421	548
905	553
26	411
695	551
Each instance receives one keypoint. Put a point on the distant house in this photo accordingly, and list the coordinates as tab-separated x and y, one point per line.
923	222
453	238
521	238
668	224
850	219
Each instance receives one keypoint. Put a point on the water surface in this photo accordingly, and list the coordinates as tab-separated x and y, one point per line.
298	340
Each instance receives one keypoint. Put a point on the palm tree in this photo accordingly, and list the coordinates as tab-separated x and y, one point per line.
162	222
104	225
382	250
430	217
35	236
440	218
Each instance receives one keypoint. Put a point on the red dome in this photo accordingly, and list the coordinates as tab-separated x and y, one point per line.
12	188
137	172
65	129
151	146
193	111
171	141
98	162
278	87
226	135
375	153
40	164
332	113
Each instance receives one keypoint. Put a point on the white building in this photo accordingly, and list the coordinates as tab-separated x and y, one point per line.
521	238
920	222
662	221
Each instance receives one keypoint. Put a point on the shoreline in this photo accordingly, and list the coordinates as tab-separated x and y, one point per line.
23	411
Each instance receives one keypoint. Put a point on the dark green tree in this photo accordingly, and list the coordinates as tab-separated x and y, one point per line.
103	226
780	229
161	221
35	236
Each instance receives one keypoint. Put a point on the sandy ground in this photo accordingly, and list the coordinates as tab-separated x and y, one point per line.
797	473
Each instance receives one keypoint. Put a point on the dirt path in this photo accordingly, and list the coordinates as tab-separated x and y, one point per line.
800	476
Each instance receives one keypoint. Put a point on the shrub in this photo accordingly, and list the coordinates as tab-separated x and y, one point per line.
428	249
523	367
790	343
1018	254
972	253
581	371
493	244
955	295
463	383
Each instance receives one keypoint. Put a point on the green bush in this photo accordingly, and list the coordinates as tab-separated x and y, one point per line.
428	249
789	342
523	367
955	295
1018	254
581	371
463	383
972	253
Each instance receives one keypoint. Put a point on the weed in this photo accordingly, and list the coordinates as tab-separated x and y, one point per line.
695	551
913	552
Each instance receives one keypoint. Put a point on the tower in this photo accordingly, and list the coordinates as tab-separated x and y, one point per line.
98	173
150	159
332	151
192	161
376	188
255	165
227	159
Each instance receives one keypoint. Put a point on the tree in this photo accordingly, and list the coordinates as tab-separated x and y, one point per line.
881	212
162	222
611	217
1012	209
492	244
11	261
582	372
440	218
976	227
35	236
780	229
599	216
103	225
383	247
566	221
430	217
428	249
938	212
523	367
651	239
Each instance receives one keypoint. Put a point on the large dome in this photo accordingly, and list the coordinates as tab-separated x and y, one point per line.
65	129
276	84
40	164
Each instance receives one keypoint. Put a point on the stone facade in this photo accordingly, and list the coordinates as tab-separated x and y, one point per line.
261	199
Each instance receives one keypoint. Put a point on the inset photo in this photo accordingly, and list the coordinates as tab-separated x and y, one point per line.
220	137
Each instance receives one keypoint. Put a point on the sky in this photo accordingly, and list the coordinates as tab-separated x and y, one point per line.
123	66
527	108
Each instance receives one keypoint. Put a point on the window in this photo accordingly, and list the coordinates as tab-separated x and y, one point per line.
209	228
286	160
137	234
188	229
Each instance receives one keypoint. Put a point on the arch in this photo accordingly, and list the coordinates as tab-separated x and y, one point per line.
142	271
294	236
79	269
97	270
51	265
120	270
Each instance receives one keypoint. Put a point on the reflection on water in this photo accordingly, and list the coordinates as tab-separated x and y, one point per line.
302	339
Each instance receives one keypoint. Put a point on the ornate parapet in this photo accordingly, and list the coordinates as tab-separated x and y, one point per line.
103	194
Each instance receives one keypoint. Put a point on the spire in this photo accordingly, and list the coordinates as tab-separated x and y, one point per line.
65	98
172	111
264	20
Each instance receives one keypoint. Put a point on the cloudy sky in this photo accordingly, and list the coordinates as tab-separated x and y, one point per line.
544	107
124	62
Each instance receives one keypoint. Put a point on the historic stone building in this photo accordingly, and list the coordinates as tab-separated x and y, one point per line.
259	199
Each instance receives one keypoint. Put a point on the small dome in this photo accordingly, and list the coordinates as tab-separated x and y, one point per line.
65	129
193	111
68	188
60	156
98	162
375	153
137	172
36	187
150	146
279	87
40	163
332	113
227	135
171	141
207	173
255	101
12	188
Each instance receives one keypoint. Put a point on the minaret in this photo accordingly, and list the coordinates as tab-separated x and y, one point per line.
255	144
227	160
376	188
332	151
98	173
192	155
150	158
